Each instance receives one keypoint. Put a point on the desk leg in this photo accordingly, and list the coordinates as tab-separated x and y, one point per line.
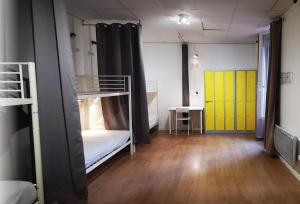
170	123
201	122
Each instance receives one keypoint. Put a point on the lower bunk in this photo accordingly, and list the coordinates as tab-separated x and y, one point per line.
100	145
17	192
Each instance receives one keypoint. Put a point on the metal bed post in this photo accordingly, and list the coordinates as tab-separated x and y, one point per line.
21	80
36	133
132	147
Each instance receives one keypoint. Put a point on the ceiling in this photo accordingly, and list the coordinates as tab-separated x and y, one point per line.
236	21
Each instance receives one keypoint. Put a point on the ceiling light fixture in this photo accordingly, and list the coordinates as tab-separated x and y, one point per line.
184	19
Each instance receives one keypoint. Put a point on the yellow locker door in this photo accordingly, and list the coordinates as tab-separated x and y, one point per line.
219	100
229	100
240	100
209	100
251	101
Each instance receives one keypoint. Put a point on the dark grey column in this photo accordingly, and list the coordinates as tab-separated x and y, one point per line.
185	76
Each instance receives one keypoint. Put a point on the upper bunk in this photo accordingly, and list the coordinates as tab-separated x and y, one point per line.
13	80
99	86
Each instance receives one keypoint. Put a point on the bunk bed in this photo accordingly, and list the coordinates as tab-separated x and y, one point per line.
100	145
13	93
152	99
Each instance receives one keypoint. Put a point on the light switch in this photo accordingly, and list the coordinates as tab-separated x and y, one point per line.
286	77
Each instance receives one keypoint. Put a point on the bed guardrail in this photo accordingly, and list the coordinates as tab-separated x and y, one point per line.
17	83
101	83
11	80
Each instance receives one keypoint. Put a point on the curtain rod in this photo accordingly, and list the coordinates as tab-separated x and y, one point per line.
84	23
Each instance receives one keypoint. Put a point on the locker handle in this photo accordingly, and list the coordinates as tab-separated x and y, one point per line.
208	101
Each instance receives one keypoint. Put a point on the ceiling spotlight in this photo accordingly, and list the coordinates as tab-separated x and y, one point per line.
196	56
96	100
184	19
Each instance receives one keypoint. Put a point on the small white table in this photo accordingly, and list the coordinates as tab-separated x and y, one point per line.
191	108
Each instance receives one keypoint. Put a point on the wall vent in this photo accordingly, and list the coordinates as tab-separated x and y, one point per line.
285	145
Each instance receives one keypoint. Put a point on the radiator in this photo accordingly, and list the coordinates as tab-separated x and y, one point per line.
286	145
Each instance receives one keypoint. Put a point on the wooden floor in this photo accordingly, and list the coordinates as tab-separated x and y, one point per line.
197	169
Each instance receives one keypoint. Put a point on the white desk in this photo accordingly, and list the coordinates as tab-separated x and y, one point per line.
191	108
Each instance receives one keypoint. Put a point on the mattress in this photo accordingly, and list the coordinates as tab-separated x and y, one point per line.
17	192
99	143
153	120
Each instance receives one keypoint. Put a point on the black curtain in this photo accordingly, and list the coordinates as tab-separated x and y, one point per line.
61	141
273	90
185	76
119	48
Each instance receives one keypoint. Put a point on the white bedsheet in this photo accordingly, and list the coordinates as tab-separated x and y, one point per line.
98	143
17	192
153	120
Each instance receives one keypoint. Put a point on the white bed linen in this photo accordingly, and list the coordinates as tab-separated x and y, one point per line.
98	143
153	120
17	192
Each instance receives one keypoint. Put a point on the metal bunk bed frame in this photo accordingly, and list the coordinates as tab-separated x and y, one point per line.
101	86
20	99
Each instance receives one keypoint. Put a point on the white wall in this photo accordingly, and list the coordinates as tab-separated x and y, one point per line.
85	60
290	97
85	54
218	57
162	62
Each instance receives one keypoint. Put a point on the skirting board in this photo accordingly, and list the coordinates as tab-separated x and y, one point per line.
291	169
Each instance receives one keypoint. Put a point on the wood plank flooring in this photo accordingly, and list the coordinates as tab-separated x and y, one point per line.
214	169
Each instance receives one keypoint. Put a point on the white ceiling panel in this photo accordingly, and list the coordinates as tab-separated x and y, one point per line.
216	4
87	14
215	33
178	4
283	5
256	4
251	26
149	14
138	4
217	15
249	16
189	35
220	25
274	14
115	14
94	4
232	34
242	19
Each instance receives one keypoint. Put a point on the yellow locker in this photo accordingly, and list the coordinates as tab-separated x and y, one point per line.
240	100
251	101
209	100
229	100
219	100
